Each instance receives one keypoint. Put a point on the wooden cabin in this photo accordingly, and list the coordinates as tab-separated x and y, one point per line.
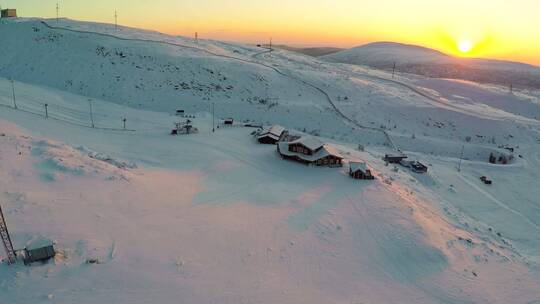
360	170
394	158
9	13
271	135
310	151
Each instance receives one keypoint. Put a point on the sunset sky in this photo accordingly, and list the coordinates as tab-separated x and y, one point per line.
499	29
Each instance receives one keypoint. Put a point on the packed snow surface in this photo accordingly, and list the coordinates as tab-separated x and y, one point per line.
139	216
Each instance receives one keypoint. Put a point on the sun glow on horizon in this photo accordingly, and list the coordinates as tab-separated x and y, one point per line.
465	46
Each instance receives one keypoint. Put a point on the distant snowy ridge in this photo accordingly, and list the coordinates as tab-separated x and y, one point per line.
428	62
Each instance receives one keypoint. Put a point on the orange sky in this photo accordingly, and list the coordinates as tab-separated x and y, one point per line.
499	29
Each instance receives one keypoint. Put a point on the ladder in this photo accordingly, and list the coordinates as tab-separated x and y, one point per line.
6	240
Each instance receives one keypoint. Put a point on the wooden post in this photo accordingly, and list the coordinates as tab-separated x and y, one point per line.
213	117
13	90
91	114
46	111
124	121
394	70
460	158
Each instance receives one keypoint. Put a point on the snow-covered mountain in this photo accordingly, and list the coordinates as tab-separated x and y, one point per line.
428	62
139	216
385	53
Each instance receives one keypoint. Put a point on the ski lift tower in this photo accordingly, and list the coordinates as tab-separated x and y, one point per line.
6	240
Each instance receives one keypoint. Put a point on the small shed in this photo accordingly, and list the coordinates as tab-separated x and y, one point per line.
228	121
9	13
418	167
360	170
394	158
180	112
39	250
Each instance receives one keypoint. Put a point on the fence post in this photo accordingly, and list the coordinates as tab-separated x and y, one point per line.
13	90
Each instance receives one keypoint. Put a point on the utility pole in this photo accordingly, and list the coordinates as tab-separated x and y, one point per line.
6	239
460	158
511	88
13	90
196	37
124	121
270	44
57	9
213	116
91	115
394	70
46	111
115	20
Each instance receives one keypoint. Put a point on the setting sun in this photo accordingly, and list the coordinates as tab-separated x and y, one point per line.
465	46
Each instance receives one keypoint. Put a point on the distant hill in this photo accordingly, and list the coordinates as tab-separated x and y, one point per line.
428	62
312	51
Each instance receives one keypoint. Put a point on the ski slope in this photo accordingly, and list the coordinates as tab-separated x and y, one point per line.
218	218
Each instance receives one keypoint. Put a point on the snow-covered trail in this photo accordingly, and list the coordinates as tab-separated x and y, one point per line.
499	203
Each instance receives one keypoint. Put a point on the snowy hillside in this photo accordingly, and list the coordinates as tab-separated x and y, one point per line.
140	216
311	51
428	62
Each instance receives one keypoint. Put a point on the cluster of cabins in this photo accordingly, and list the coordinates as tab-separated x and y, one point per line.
310	151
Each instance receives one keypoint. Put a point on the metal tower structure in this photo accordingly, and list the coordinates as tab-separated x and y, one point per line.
6	240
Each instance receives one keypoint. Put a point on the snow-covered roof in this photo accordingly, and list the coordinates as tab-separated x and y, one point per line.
331	150
40	242
274	132
396	155
355	166
275	137
326	150
308	142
